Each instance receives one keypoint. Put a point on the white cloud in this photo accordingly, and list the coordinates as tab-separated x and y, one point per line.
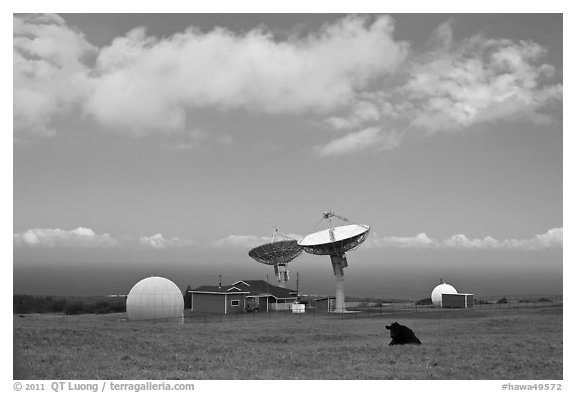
79	237
461	241
159	242
86	237
550	240
362	112
50	76
146	84
354	142
479	80
240	241
419	241
553	238
351	73
248	241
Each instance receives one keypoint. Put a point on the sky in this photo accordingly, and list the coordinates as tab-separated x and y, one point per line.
171	144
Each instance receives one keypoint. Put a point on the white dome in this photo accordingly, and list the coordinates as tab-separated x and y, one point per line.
439	290
154	298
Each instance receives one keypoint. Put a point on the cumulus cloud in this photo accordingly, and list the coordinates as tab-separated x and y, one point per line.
145	84
479	80
79	237
87	238
362	112
461	241
553	238
421	240
454	86
246	241
159	242
354	142
350	75
550	240
240	241
49	71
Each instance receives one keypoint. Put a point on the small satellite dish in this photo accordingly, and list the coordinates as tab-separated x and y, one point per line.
277	253
336	241
282	251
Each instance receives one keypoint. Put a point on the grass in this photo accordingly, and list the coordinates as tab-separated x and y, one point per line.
465	344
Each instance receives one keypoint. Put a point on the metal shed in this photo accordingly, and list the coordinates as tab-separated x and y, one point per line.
457	300
325	304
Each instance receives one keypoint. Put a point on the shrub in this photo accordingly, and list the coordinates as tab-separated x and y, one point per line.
74	308
118	307
502	301
58	305
424	302
26	304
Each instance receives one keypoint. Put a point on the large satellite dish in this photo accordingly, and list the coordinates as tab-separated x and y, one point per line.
277	253
336	241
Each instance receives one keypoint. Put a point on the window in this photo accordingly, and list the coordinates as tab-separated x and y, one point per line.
235	303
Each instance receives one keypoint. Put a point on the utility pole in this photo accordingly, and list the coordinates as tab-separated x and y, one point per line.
267	295
298	286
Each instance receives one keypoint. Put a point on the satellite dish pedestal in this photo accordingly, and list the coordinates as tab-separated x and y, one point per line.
338	264
336	242
282	274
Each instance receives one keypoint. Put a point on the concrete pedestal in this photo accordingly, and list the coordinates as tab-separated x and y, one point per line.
338	264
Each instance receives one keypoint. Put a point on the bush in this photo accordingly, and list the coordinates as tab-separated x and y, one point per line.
26	304
74	308
58	305
544	300
118	307
424	302
104	307
502	301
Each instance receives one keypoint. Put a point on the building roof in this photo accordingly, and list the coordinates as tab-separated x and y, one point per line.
249	287
458	294
224	289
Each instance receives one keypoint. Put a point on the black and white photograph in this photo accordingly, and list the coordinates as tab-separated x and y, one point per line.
287	196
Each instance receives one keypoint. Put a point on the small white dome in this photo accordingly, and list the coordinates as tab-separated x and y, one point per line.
437	292
154	298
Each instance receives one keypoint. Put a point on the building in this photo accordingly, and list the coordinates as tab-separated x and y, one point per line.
439	291
325	304
242	296
154	298
457	300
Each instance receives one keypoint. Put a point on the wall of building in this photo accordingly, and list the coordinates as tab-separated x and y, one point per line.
324	305
457	300
239	308
204	302
262	303
218	303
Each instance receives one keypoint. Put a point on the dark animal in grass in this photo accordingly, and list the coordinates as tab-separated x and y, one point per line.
402	334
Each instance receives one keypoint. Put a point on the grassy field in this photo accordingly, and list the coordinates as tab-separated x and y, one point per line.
465	344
